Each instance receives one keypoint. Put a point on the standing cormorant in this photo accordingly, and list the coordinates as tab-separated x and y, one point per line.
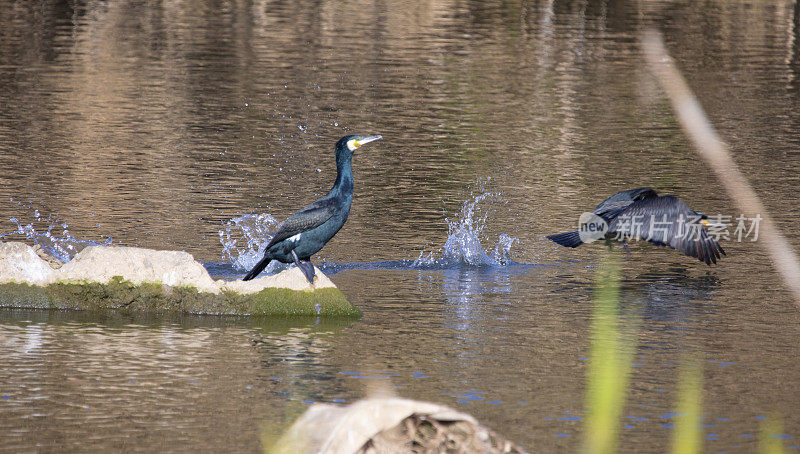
306	232
662	220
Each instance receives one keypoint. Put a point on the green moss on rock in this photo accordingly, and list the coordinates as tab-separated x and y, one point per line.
281	301
119	294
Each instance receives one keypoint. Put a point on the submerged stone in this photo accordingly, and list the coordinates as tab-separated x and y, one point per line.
137	279
383	425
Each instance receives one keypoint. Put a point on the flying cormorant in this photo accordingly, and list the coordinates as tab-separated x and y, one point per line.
642	214
307	231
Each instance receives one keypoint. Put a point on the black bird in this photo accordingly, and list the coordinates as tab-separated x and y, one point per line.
307	231
662	220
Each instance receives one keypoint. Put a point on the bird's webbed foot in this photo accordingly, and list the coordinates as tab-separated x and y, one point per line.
306	267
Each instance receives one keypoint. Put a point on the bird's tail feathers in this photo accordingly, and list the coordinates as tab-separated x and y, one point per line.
258	268
567	239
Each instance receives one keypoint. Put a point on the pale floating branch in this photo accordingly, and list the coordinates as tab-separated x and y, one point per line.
717	155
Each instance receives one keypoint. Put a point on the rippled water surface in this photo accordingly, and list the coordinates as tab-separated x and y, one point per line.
178	124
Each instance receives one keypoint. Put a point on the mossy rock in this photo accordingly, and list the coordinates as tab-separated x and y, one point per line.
122	295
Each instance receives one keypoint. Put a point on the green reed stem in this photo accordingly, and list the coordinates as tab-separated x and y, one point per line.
609	365
687	437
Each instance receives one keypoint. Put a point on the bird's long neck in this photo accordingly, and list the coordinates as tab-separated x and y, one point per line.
344	177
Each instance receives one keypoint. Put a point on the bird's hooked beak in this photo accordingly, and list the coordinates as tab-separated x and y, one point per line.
365	140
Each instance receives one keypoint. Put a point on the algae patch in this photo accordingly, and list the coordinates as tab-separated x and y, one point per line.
120	294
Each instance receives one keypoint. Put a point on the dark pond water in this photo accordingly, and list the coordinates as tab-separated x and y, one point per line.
158	124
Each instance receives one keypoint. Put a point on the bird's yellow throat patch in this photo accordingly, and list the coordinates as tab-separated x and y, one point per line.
352	144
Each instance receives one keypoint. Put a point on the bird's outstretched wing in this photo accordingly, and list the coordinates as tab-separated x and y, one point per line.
626	198
667	221
310	217
614	205
608	210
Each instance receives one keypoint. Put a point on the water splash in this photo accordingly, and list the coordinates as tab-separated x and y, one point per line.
56	239
463	244
502	250
244	238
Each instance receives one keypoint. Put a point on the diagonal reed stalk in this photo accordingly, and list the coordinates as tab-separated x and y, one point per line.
717	155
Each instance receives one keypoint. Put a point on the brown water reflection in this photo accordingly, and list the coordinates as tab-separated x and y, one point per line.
154	123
